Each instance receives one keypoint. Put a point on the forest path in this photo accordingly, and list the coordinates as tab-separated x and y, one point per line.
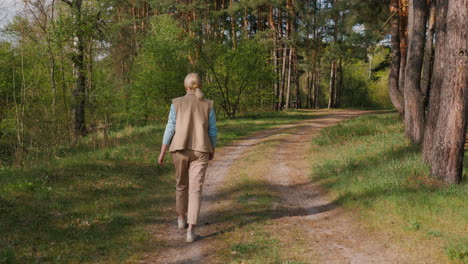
336	235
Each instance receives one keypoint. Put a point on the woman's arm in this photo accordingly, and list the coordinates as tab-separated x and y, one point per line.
168	134
212	131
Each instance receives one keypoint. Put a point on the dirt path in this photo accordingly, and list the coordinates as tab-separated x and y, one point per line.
334	233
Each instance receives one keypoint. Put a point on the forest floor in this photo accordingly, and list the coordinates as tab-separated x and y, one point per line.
303	224
305	186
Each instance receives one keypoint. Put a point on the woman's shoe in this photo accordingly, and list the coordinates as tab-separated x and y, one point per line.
191	237
181	223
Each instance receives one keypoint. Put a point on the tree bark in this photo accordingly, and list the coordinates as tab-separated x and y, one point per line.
233	25
79	70
339	85
428	52
448	103
395	95
317	84
414	100
403	23
288	89
283	73
309	91
296	81
313	102
271	23
331	103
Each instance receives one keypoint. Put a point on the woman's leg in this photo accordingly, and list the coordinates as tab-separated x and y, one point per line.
181	164
197	172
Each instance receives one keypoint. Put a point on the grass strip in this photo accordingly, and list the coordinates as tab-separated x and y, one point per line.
369	167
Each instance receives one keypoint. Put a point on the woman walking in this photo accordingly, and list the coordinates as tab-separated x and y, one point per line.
191	133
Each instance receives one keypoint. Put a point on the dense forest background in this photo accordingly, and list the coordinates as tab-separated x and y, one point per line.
74	67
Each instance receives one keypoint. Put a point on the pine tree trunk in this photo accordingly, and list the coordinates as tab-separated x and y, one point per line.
428	51
271	23
339	86
283	73
448	104
79	72
309	91
414	100
233	25
317	85
403	23
288	89
296	81
331	100
395	95
314	87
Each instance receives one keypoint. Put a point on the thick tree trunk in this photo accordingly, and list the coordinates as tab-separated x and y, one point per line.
428	52
448	104
395	95
414	100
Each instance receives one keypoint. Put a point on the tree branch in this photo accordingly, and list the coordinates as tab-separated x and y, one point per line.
68	2
394	13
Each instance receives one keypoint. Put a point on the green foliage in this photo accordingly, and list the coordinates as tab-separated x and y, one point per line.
241	78
365	85
159	70
138	52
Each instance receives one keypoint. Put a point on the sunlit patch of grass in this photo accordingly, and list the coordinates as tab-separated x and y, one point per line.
369	166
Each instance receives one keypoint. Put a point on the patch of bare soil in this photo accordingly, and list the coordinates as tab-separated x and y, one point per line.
337	236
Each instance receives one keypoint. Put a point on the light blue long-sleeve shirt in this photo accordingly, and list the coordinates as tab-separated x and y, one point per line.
171	123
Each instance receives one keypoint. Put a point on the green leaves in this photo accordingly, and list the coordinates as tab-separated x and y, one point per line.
241	77
159	70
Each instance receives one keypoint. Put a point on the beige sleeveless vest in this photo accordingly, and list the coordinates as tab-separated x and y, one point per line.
191	131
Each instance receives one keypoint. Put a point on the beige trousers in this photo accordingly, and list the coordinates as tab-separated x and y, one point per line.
190	168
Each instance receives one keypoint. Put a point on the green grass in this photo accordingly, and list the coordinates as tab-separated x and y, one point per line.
370	167
92	202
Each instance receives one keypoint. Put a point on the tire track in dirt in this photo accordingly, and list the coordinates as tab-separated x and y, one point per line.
176	250
336	234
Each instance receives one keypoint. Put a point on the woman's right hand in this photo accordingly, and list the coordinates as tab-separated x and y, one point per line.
212	154
161	155
161	159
